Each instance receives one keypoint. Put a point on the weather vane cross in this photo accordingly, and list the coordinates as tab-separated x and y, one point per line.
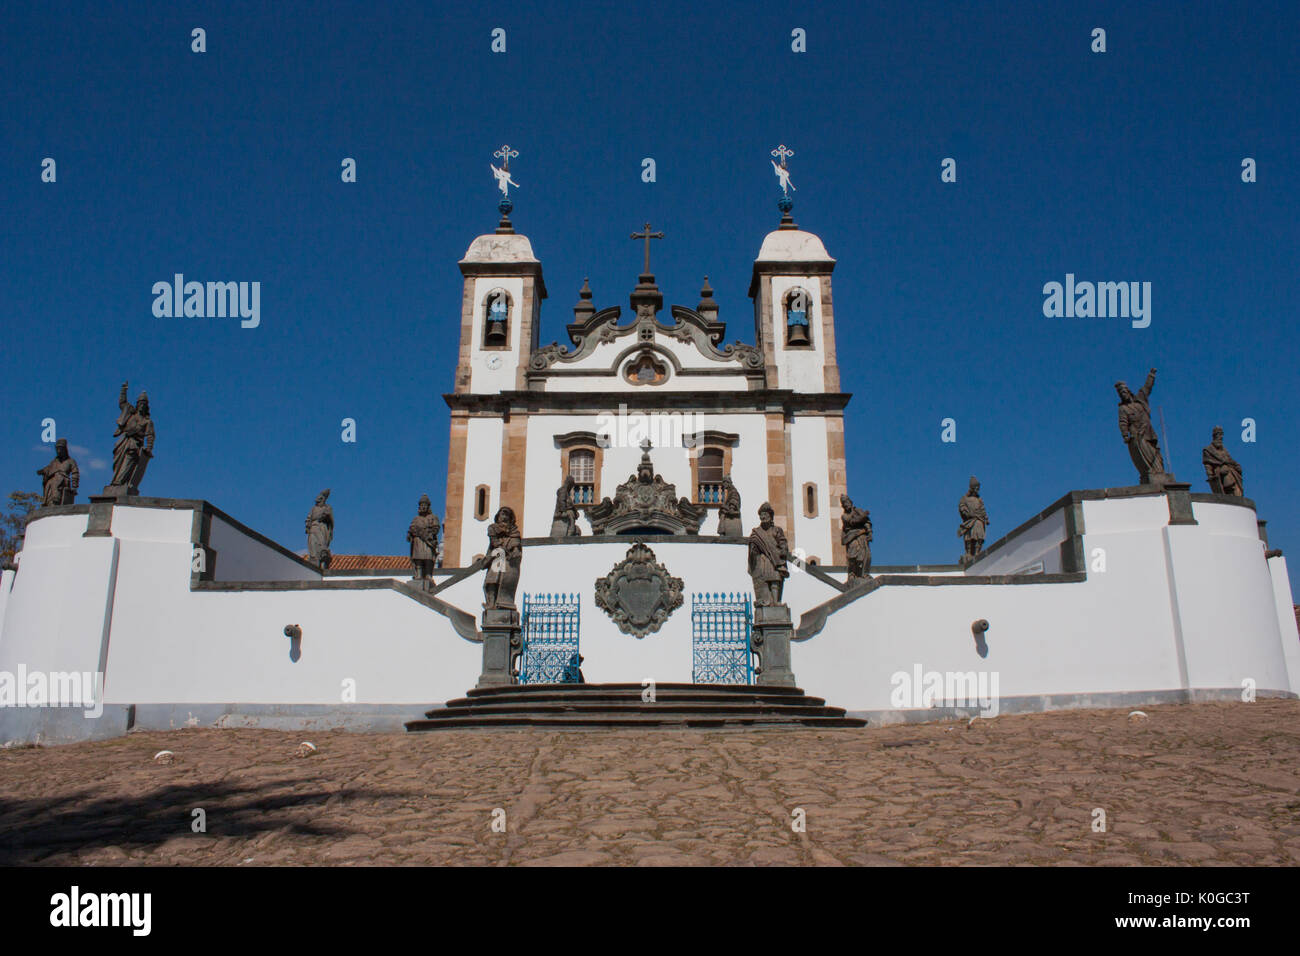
782	173
647	235
504	182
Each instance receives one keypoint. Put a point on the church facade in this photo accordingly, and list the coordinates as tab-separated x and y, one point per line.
526	416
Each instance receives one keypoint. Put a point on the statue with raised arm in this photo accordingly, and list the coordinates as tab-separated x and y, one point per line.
1222	471
60	478
134	446
1140	435
768	554
564	522
320	531
423	537
974	520
855	535
505	555
729	521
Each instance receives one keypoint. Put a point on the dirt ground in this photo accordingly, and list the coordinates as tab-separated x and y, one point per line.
1190	784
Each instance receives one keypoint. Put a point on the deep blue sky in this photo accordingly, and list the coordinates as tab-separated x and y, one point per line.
225	166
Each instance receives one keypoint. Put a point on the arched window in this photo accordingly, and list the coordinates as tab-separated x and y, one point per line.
710	473
582	468
496	320
798	319
481	502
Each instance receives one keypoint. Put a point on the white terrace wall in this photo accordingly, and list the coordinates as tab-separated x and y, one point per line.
1179	609
123	604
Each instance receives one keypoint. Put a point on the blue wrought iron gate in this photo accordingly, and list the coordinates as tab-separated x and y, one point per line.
550	639
720	652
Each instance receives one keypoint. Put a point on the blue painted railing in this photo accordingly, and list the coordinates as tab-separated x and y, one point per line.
720	629
550	639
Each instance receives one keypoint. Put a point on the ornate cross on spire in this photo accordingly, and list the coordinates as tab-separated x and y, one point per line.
647	235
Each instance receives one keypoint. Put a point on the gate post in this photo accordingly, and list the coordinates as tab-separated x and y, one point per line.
501	642
771	642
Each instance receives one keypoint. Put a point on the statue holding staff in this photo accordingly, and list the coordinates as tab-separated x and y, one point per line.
423	537
60	478
768	554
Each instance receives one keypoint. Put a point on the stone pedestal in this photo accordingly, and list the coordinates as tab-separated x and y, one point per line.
1180	502
502	639
771	641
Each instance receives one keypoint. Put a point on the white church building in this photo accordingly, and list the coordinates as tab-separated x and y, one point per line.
176	614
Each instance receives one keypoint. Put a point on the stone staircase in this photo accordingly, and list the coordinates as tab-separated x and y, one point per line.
597	706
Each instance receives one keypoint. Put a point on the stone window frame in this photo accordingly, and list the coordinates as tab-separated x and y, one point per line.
809	511
700	442
570	442
785	320
486	310
482	502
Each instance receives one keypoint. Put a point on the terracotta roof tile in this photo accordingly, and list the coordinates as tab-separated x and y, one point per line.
370	562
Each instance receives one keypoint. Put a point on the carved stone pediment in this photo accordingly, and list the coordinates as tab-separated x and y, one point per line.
639	593
646	504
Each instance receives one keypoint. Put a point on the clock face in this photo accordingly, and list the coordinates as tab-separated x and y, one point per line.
493	362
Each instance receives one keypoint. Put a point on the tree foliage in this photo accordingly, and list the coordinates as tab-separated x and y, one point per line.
13	522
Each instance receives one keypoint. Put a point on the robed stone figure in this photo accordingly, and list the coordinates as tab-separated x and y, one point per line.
729	523
134	446
1222	471
855	535
320	531
768	555
1136	428
60	478
974	519
423	536
505	554
564	521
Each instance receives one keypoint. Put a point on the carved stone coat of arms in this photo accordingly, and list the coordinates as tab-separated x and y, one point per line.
639	593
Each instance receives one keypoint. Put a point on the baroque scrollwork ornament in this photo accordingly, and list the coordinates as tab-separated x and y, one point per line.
639	593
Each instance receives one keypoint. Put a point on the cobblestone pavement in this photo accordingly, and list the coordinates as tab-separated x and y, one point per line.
1190	784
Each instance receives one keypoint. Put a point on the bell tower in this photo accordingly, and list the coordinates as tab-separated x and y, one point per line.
500	312
794	328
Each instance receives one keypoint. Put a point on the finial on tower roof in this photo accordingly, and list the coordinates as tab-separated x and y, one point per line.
504	182
785	203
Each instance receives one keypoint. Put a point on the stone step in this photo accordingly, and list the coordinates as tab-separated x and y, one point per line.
639	707
729	689
595	706
634	697
617	720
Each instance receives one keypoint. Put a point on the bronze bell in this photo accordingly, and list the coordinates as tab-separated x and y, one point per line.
797	334
496	331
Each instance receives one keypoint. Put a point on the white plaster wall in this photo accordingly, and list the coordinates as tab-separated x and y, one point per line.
1224	592
241	557
809	462
6	585
482	466
1286	623
1177	607
1040	542
803	370
57	612
603	356
482	378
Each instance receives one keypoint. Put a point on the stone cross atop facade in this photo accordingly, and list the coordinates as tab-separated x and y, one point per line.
647	235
